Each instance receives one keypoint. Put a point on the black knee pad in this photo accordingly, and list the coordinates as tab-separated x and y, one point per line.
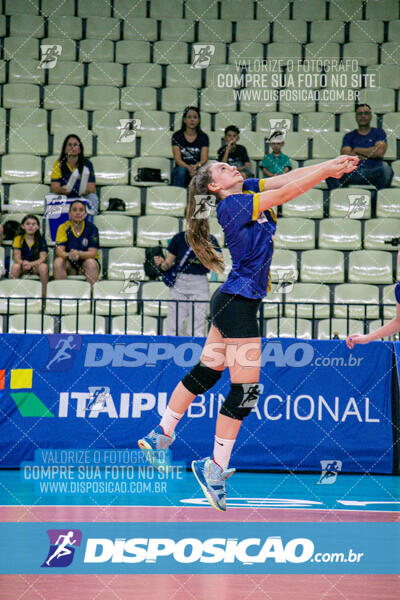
201	378
242	398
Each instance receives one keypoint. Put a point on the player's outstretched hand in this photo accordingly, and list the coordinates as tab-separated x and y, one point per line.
341	165
356	338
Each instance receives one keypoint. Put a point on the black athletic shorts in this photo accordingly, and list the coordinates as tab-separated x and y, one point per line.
235	316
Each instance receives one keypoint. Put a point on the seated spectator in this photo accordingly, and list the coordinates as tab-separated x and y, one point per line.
30	252
77	243
369	144
189	146
233	153
275	162
73	174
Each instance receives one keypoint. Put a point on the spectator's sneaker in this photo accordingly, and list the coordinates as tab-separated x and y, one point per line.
212	481
158	444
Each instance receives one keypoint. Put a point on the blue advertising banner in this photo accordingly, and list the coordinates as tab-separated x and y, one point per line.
320	404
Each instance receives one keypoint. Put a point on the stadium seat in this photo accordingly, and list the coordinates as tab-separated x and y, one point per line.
21	168
179	30
284	29
348	123
150	230
2	26
68	48
394	31
74	119
362	298
388	204
96	51
325	266
30	323
25	71
309	10
18	7
98	97
288	328
2	72
237	11
115	297
126	263
370	266
224	76
296	145
153	162
124	9
396	170
217	100
326	145
173	99
276	119
284	51
389	302
336	105
138	98
391	124
30	140
382	10
284	262
295	234
129	194
91	8
65	96
161	10
154	143
309	205
152	120
108	142
316	123
65	27
110	170
218	48
382	99
49	9
27	198
386	76
329	329
366	53
366	31
376	324
65	296
354	203
239	119
27	25
162	200
166	53
134	325
128	51
340	234
377	231
316	50
104	28
138	28
307	300
345	11
327	30
153	294
222	30
23	294
107	119
114	230
245	51
271	10
273	303
67	73
83	324
204	11
183	76
105	74
20	95
145	74
20	47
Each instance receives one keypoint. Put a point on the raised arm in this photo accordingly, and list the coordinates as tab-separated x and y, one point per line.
385	331
331	168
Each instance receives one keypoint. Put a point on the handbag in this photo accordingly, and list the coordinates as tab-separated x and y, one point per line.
150	268
148	174
169	277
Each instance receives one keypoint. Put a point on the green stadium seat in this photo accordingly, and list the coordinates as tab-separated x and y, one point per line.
49	9
366	31
327	30
394	31
155	143
284	51
65	27
340	234
134	325
388	203
162	200
309	10
23	294
29	140
292	31
83	324
161	10
336	105
128	51
150	230
272	304
389	302
386	76
64	296
363	297
316	123
242	51
271	10
329	329
91	8
126	263
327	145
297	106
30	323
222	30
152	120
264	121
208	9
21	168
366	266
20	95
296	145
217	100
354	203
391	123
284	261
61	96
219	48
128	193
316	50
288	328
138	98
114	230
381	10
295	234
183	76
68	50
348	122
219	76
379	230
104	28
108	142
308	300
382	99
391	151
324	266
241	120
48	166
309	205
180	30
25	71
153	162
138	28
366	53
19	7
67	73
396	170
153	294
145	74
345	11
124	9
27	25
376	324
237	11
105	74
166	53
27	197
20	47
110	170
96	51
75	119
2	26
107	119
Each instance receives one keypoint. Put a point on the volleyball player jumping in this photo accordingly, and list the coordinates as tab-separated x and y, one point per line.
244	210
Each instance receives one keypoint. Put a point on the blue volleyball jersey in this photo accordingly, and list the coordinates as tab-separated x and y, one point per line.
248	235
397	292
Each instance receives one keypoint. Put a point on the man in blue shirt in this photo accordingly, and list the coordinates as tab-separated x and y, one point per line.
369	144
